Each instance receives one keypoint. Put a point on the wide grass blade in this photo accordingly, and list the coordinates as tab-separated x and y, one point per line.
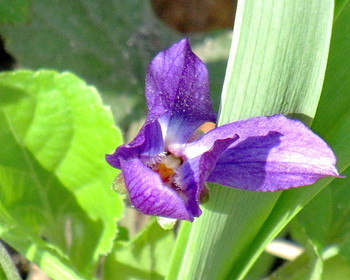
277	65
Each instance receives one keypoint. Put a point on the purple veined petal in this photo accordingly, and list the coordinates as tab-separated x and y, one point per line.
177	92
146	145
272	153
148	194
194	172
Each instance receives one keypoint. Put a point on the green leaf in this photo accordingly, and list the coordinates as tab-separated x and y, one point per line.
10	94
145	257
345	249
109	44
315	220
332	121
307	266
333	113
57	207
279	50
336	268
14	11
277	65
262	267
326	219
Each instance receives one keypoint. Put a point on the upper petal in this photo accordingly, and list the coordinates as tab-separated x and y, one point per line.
148	194
146	145
272	153
177	92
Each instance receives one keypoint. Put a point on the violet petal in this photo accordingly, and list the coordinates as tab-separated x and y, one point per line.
272	153
146	145
194	172
177	92
148	194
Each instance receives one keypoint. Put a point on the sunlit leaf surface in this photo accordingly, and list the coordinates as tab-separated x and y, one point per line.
56	205
144	257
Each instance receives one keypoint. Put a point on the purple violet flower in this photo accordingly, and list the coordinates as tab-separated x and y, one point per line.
167	164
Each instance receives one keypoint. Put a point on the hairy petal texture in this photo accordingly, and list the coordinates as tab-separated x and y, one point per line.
146	145
148	194
272	153
177	92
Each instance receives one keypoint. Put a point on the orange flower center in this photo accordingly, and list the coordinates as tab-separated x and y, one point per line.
166	168
165	172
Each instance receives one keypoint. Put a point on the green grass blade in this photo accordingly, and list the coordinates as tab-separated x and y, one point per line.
277	65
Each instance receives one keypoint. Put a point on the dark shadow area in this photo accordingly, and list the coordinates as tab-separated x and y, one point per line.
6	61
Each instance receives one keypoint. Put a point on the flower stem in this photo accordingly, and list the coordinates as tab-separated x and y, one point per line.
7	264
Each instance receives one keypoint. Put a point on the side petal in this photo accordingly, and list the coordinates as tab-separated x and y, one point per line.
177	91
146	145
194	172
148	194
272	153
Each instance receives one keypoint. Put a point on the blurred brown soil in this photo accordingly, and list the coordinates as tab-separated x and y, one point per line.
196	15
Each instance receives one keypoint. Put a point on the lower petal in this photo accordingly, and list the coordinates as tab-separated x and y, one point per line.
149	195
